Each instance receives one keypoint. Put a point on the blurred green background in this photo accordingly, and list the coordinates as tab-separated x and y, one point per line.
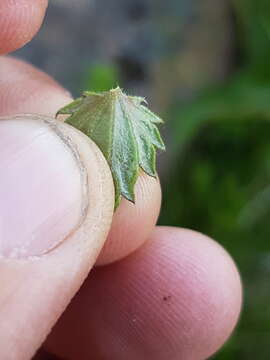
204	65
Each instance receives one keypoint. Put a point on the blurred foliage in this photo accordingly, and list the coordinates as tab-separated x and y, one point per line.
100	77
220	182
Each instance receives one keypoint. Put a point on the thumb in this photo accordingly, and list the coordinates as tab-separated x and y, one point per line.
55	211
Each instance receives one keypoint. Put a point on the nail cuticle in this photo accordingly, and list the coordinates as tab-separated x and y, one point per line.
71	146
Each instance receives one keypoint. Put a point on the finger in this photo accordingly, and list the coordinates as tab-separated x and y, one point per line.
19	22
24	89
56	206
132	224
177	297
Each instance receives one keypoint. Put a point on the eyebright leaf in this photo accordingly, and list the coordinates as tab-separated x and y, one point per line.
124	129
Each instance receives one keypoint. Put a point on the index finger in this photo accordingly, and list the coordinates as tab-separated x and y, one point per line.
19	22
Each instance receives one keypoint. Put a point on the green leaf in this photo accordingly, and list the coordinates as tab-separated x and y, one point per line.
125	131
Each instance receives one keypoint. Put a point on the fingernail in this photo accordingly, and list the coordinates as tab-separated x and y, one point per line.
41	188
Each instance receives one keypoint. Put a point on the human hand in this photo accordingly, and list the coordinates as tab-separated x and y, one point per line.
177	297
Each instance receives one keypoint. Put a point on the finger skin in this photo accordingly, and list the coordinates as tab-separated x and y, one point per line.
25	89
132	224
177	297
35	291
19	22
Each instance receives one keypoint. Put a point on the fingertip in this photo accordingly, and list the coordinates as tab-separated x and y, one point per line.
177	297
132	223
19	22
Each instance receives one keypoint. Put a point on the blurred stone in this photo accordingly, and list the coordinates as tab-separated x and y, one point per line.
164	50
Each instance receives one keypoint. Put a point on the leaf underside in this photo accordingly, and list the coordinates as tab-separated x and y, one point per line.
124	129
